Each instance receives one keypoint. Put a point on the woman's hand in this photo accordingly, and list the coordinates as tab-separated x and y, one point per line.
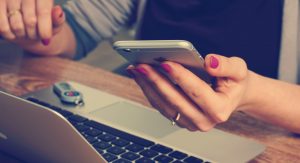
29	21
200	106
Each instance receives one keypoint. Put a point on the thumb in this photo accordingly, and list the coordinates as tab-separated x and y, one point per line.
58	18
220	66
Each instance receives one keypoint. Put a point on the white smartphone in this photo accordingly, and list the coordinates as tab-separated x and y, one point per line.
154	52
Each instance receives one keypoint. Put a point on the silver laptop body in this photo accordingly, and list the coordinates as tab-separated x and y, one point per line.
34	133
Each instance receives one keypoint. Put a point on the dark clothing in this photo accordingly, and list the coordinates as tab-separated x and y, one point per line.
250	29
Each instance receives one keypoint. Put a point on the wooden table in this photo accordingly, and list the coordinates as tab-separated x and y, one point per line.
20	75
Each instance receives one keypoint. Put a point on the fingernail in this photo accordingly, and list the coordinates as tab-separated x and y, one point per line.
214	62
61	15
166	67
142	71
130	72
46	42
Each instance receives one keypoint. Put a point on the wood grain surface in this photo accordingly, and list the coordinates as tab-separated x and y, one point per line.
22	74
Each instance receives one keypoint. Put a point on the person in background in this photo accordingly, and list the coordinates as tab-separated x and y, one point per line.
251	30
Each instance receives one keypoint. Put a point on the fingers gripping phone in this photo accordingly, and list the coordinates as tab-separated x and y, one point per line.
155	52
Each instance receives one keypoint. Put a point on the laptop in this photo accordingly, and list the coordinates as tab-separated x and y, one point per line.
40	128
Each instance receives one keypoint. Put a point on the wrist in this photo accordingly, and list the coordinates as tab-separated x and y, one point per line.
251	97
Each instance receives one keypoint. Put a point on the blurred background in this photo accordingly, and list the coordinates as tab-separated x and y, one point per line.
103	56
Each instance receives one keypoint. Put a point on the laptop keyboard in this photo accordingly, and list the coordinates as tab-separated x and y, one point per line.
120	147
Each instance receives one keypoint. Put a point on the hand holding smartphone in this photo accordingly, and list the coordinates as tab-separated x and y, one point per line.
154	52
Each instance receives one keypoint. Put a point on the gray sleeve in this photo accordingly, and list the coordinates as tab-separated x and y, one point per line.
95	20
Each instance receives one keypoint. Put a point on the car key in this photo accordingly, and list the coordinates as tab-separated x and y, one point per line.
67	93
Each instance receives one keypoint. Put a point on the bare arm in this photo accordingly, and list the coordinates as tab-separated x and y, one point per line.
274	101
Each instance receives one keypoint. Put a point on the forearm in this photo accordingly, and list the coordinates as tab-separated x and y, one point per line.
62	44
274	101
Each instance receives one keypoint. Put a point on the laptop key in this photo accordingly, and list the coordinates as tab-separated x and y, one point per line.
144	160
177	161
134	148
120	142
193	159
93	132
106	137
81	127
109	157
65	113
130	156
121	134
161	149
121	161
77	118
100	151
149	153
116	150
90	139
102	145
163	159
74	123
34	100
55	108
178	155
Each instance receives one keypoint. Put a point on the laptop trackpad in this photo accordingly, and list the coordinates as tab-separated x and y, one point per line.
136	118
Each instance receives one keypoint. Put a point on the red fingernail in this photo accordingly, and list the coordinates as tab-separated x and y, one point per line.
46	42
166	67
214	62
61	15
130	72
142	71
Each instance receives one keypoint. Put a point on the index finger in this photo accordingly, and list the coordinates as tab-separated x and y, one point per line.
44	10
